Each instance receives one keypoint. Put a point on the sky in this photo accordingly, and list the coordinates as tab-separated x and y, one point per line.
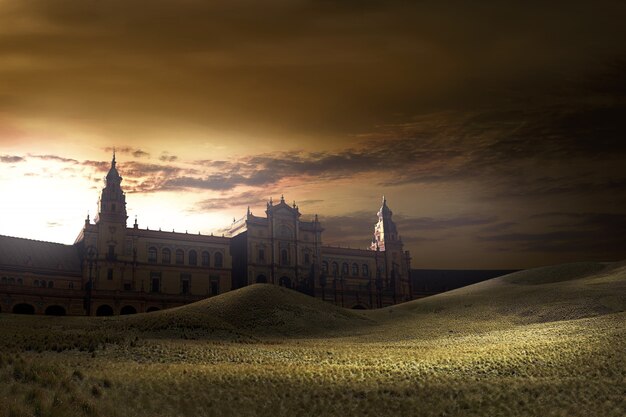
495	129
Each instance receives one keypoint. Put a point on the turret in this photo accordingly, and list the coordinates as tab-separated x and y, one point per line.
385	231
112	203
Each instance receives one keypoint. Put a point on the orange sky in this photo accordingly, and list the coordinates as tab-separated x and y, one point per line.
494	129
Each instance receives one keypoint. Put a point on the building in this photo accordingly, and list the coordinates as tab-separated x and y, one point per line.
114	269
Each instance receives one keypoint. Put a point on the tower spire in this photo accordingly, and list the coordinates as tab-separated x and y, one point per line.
112	204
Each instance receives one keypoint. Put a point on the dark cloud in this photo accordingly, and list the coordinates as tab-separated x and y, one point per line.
99	166
166	157
599	236
135	152
10	159
54	158
145	177
319	69
140	154
249	198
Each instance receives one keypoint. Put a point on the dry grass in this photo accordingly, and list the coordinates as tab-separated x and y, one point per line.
549	342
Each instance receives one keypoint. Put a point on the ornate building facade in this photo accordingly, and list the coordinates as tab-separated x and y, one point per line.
114	269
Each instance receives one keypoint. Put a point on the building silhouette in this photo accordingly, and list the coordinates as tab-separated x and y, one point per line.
114	269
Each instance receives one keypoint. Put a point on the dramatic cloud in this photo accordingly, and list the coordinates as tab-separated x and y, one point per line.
596	234
10	159
485	123
249	198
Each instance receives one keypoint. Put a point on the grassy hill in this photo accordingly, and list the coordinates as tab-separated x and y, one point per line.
548	341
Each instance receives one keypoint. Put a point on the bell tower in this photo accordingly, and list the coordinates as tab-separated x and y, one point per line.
385	231
394	263
112	203
110	224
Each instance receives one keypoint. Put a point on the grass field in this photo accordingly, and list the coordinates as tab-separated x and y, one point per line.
546	342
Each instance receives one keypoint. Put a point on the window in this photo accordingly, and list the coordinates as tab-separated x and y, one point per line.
185	283
307	258
261	255
113	207
128	247
325	267
205	258
180	256
4	280
152	254
50	284
36	283
365	270
215	285
344	269
335	267
155	282
218	260
127	286
110	274
284	257
111	254
193	257
11	280
355	270
70	285
20	281
166	256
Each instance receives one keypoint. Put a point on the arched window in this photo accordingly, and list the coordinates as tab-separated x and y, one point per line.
11	280
355	270
219	260
206	258
50	284
193	257
36	283
166	256
365	270
284	257
128	310
4	280
23	309
70	285
325	266
152	254
335	267
104	310
180	256
344	269
20	281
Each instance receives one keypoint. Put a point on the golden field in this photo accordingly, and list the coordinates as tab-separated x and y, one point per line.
546	342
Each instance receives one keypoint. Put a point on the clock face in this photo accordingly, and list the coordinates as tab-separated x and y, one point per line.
91	252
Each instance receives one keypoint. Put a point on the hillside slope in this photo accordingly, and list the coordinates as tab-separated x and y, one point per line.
561	292
255	311
547	294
